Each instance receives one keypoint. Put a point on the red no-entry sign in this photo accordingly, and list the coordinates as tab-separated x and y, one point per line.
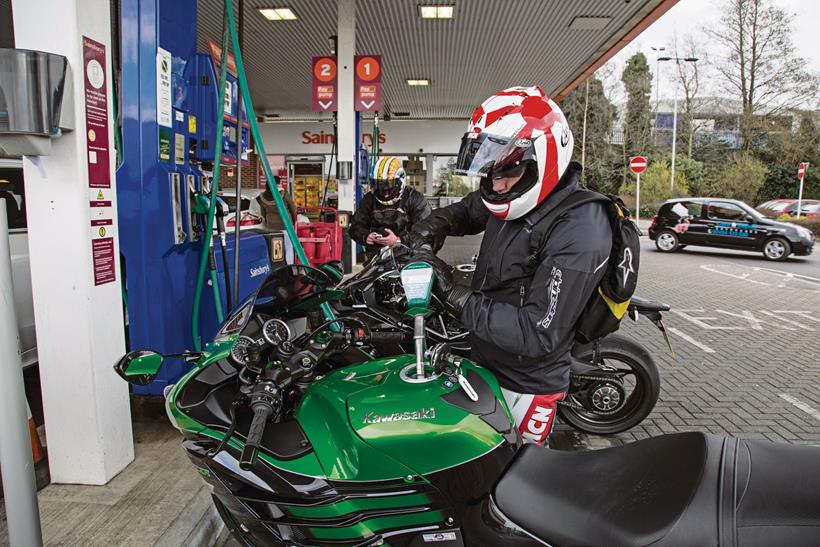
802	167
637	164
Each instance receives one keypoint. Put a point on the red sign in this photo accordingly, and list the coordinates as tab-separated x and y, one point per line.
368	83
96	114
802	167
638	164
215	51
324	84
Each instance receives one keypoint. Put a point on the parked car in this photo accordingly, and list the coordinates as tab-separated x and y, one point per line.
777	207
11	190
728	224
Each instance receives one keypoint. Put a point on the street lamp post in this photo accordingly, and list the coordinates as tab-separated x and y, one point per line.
657	51
675	117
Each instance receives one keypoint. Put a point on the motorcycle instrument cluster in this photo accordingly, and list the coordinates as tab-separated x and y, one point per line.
275	331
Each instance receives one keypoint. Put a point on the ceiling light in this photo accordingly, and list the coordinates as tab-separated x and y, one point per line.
436	12
418	82
589	23
278	14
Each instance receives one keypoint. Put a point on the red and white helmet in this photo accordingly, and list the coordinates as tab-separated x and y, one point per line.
518	130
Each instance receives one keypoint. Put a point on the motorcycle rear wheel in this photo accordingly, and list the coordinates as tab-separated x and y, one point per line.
644	387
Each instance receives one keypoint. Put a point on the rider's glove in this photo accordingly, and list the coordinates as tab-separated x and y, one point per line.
456	299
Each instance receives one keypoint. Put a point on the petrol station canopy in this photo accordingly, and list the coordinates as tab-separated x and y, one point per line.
486	46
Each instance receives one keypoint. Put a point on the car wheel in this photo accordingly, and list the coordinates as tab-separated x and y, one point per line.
667	241
776	248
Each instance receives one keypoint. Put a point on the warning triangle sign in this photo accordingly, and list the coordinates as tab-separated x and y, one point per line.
100	196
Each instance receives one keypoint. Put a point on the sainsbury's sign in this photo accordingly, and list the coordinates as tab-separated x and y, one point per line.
322	137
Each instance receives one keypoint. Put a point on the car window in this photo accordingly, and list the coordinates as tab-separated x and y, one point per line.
12	191
779	206
726	211
682	209
811	207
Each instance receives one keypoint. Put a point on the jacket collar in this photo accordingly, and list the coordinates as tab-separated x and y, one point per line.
569	183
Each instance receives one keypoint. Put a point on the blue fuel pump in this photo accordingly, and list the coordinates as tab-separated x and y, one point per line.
169	119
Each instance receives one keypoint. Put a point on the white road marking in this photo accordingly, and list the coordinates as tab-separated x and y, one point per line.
699	321
742	277
784	320
789	274
805	407
704	347
754	323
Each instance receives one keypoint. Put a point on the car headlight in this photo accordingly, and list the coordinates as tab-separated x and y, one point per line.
803	233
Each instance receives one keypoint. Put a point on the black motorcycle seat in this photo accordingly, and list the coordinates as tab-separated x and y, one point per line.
683	489
644	305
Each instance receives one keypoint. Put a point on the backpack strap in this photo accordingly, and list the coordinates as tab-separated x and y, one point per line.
542	227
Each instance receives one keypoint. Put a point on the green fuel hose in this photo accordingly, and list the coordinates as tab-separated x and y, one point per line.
260	148
206	240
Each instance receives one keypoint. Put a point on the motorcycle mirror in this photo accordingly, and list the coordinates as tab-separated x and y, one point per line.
139	367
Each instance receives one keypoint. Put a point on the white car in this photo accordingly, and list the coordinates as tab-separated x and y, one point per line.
11	190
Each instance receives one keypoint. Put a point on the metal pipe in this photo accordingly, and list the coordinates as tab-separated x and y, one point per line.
19	484
418	337
238	217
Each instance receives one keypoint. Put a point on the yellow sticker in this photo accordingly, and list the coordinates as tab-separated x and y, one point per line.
191	124
102	231
100	196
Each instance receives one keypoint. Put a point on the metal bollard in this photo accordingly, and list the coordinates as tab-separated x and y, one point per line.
19	484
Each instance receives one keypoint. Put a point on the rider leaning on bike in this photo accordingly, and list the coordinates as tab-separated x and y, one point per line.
518	148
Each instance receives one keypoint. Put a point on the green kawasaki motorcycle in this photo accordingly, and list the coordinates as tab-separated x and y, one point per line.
307	440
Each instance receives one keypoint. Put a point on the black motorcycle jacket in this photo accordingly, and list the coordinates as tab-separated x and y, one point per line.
522	318
372	216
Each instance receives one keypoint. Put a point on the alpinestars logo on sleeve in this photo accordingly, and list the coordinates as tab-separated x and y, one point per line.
626	264
554	289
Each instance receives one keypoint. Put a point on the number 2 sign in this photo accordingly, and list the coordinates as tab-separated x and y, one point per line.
324	84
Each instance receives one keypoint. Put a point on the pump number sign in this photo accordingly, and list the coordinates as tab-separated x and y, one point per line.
368	83
324	84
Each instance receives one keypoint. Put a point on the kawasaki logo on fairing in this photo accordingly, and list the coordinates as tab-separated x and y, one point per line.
261	270
420	414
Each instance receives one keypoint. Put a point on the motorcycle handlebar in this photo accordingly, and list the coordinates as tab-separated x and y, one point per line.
261	413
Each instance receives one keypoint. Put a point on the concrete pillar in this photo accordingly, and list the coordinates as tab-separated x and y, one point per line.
78	316
429	163
346	129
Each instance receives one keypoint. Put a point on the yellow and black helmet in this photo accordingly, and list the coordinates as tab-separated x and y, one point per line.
387	179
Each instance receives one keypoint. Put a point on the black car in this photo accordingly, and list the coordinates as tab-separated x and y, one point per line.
726	223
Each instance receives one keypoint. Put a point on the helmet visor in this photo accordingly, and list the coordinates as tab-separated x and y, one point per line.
483	154
484	158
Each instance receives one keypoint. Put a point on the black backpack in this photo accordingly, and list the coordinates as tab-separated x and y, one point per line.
608	304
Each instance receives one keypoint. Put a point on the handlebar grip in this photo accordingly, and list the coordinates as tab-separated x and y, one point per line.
389	337
261	413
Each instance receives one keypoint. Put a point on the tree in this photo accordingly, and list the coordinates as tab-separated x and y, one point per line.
741	178
760	65
689	78
637	80
593	147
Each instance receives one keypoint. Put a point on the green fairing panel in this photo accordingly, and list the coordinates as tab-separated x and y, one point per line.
369	527
392	428
213	352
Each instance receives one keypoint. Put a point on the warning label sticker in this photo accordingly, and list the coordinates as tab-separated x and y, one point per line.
102	251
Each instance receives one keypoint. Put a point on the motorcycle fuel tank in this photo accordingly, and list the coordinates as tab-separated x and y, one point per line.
371	421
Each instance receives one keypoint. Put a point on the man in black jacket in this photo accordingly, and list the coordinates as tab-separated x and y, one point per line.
522	309
389	210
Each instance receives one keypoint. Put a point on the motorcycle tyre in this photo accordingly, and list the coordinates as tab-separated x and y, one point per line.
647	378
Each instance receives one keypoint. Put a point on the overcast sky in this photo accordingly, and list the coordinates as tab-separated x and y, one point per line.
689	16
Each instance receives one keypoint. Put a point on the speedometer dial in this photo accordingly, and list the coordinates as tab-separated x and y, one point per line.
275	331
239	351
